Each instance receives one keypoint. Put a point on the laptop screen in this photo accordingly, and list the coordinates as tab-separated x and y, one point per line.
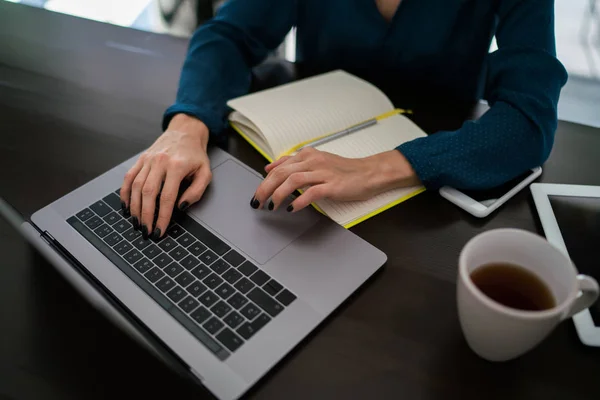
578	219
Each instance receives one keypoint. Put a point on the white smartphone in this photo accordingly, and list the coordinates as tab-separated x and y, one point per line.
482	203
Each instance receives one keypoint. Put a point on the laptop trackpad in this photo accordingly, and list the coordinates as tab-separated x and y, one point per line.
261	234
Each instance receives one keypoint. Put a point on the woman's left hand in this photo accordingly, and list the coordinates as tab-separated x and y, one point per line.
326	175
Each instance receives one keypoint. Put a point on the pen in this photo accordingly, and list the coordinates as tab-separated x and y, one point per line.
344	132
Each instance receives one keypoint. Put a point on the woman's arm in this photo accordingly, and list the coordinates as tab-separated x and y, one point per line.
222	53
523	83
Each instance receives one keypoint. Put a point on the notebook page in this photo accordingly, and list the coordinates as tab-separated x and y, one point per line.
251	131
303	110
386	135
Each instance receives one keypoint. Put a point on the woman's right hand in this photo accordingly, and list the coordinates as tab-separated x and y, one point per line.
179	153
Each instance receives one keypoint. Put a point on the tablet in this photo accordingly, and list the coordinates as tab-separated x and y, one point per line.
570	217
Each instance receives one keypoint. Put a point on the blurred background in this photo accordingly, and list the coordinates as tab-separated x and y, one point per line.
577	38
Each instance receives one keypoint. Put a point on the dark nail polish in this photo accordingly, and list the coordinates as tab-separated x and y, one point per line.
271	206
123	206
136	223
156	234
290	208
144	231
254	203
184	206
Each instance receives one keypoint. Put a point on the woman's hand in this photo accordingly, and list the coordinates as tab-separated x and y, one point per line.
179	153
325	175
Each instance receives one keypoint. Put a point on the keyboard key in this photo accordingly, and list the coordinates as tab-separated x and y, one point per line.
176	294
213	325
123	247
103	230
100	208
201	271
272	287
250	311
233	319
122	226
188	304
185	240
247	268
113	201
184	279
219	266
151	251
143	265
94	222
259	277
154	274
250	328
221	309
237	301
133	256
208	298
232	275
165	284
229	339
113	239
200	315
212	281
202	234
265	302
196	289
173	269
175	231
162	260
85	214
178	253
197	248
234	258
112	218
167	244
224	291
286	297
244	285
208	257
189	262
141	243
132	234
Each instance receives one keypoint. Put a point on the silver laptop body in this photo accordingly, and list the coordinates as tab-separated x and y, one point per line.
307	255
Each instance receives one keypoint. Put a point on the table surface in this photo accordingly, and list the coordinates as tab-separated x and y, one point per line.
78	97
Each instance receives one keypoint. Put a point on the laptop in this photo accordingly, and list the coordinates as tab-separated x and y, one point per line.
226	293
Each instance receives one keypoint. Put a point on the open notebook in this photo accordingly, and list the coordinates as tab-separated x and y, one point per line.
277	121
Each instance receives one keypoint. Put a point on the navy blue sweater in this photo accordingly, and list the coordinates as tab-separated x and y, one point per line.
440	44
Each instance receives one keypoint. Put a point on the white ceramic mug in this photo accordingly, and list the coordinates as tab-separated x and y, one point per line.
497	332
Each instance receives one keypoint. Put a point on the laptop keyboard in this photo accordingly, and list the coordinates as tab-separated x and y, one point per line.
218	295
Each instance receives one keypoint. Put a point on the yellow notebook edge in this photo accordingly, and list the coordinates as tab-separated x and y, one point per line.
384	208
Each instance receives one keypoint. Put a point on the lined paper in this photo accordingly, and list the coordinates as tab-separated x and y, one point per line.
294	113
385	135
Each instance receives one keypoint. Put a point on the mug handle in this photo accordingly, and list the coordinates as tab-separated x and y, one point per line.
588	294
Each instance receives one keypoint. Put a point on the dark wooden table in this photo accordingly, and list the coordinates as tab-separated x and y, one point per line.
78	97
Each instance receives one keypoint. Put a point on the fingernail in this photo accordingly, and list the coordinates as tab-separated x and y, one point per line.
184	206
271	206
123	206
144	231
136	223
290	208
254	203
156	234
